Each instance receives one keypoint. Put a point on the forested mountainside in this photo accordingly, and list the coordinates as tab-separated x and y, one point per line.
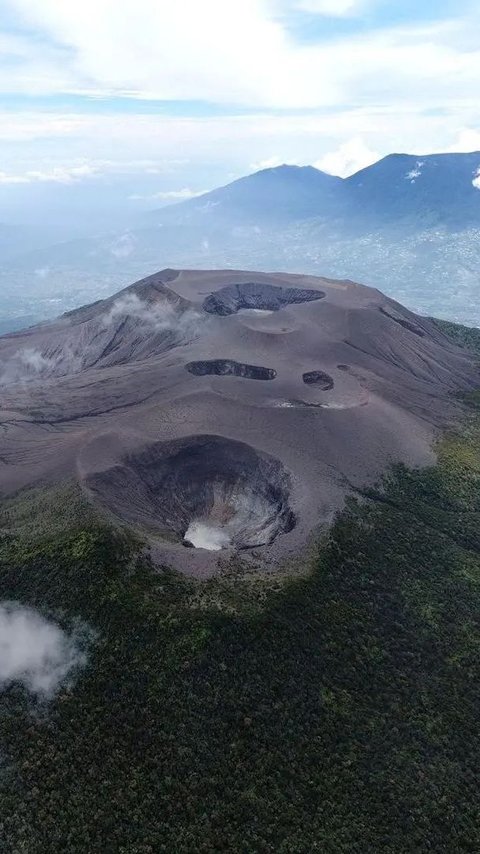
331	708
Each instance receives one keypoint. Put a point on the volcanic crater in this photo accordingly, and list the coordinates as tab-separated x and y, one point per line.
201	490
228	367
210	433
259	296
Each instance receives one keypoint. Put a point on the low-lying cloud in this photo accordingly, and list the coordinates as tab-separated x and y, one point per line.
56	175
35	652
27	363
30	365
158	316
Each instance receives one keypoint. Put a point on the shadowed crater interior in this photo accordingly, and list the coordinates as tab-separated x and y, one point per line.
319	379
233	298
227	367
207	491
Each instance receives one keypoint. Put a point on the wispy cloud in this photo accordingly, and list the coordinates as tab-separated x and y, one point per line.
119	56
156	316
414	85
35	652
30	365
170	195
56	175
334	8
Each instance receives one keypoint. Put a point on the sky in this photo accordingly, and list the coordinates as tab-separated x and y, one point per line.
145	102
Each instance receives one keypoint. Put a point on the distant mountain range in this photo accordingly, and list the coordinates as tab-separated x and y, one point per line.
409	225
401	190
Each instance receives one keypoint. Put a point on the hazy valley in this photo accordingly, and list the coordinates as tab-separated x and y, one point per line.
407	225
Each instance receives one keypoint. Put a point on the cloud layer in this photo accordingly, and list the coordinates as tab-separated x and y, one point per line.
330	82
146	49
57	175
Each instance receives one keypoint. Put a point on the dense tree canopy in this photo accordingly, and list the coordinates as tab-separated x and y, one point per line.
333	708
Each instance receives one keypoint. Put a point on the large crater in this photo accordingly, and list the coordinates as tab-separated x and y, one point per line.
205	491
253	295
228	367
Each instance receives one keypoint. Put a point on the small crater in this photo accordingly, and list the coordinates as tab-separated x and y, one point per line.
319	379
227	367
343	367
253	295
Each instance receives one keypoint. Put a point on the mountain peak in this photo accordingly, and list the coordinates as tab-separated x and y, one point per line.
290	168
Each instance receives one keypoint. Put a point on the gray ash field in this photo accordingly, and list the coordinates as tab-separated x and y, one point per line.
223	413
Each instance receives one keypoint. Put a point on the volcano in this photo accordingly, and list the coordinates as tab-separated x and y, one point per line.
225	415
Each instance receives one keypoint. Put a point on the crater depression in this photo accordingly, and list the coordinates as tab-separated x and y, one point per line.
206	491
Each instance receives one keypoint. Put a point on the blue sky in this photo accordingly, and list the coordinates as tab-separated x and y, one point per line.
152	101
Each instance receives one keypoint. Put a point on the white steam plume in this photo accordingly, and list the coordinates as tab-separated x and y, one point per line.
29	364
205	536
35	652
35	361
157	316
26	364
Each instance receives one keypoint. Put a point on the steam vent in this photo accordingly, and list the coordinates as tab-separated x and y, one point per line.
224	416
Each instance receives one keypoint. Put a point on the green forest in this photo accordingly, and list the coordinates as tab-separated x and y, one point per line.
333	708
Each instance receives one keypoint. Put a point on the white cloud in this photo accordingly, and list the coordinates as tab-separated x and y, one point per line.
35	361
123	246
120	54
35	652
30	365
159	316
25	365
476	180
260	61
33	126
34	66
171	195
13	179
467	140
57	175
348	158
332	8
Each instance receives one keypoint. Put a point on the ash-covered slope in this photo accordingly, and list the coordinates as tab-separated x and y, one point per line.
231	411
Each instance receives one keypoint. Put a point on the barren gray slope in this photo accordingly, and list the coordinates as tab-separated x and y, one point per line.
225	409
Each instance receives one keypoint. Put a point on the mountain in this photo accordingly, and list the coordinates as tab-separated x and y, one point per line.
433	190
216	350
272	196
239	566
409	225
